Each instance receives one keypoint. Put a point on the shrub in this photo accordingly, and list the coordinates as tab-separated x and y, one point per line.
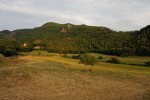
124	55
39	54
9	52
88	59
9	48
147	64
29	48
100	57
114	60
76	56
83	52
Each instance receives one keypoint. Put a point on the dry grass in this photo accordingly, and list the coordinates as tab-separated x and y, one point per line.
74	86
52	78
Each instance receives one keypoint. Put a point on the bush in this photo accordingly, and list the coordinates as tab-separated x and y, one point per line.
88	59
100	57
76	56
83	52
114	60
147	64
9	48
39	54
124	55
9	52
29	48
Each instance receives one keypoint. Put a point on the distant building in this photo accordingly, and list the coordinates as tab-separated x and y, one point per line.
24	45
38	47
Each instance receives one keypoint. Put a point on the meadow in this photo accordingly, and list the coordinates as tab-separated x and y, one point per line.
39	75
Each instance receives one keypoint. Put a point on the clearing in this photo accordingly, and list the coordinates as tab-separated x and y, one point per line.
54	77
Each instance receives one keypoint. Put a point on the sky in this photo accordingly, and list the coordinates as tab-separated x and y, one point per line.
120	15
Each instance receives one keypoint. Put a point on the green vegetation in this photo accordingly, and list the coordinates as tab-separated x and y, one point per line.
9	48
147	64
114	60
28	48
100	57
68	38
88	59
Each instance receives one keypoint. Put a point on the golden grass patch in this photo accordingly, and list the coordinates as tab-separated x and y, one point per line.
28	78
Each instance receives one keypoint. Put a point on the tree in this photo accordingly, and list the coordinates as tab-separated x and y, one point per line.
10	48
8	52
28	48
2	46
88	60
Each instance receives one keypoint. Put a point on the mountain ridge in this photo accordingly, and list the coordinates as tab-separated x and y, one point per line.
55	37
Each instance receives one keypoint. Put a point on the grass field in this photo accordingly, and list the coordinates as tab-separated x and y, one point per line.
49	76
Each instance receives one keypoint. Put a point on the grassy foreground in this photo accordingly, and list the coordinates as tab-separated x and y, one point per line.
53	77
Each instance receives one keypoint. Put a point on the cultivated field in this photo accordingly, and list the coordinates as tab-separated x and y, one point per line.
43	76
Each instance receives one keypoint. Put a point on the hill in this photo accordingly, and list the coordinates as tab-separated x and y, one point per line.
69	38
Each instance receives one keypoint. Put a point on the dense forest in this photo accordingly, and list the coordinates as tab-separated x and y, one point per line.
69	38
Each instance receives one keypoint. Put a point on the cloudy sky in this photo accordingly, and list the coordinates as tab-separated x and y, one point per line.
121	15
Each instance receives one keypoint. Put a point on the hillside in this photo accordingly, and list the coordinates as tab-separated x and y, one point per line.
69	38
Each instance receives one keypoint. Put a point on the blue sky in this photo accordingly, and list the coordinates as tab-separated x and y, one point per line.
123	15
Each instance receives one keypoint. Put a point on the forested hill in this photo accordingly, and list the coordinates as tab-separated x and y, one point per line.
69	38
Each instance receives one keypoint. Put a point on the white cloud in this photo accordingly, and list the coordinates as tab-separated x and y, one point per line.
115	14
